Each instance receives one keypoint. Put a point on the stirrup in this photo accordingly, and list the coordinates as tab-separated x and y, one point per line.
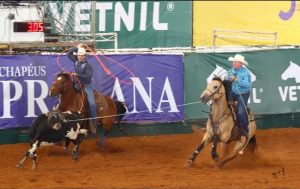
242	150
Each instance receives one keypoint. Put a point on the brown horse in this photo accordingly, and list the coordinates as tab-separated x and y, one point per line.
221	126
108	110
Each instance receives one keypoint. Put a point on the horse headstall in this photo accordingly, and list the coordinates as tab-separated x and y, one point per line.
212	93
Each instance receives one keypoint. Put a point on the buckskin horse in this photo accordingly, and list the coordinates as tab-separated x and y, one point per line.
108	110
221	126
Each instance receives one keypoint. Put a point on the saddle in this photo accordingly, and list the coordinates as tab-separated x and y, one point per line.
234	108
236	130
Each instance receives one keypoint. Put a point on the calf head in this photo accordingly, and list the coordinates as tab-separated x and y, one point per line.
55	119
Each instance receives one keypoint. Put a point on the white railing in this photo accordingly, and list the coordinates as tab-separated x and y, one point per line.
242	34
98	37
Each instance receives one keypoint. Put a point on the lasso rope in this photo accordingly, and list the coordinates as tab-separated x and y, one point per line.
107	71
91	118
249	127
101	63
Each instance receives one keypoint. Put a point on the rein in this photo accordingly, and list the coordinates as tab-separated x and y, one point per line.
216	123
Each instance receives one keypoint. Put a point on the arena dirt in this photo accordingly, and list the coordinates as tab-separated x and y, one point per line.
156	162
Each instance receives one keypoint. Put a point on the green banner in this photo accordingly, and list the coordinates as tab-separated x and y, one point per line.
139	24
276	75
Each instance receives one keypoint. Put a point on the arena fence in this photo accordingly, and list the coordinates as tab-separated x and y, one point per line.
274	97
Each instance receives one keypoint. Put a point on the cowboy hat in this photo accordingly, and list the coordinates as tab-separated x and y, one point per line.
238	58
81	51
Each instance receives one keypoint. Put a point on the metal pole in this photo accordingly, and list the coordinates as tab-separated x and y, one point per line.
116	41
275	39
214	38
93	25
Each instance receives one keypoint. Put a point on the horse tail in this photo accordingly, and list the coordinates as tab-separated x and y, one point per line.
121	110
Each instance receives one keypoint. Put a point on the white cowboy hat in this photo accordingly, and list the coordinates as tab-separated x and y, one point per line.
81	51
238	58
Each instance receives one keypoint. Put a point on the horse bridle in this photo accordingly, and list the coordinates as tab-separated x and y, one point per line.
64	84
57	86
212	93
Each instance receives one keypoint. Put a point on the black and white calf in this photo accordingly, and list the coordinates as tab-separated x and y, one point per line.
54	127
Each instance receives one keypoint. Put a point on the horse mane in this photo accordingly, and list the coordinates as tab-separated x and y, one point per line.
227	85
64	74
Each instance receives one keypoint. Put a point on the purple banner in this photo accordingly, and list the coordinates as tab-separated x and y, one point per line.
151	85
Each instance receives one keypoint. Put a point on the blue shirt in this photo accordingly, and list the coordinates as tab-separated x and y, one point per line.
83	69
243	83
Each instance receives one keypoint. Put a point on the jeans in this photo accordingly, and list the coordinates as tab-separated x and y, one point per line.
91	99
242	116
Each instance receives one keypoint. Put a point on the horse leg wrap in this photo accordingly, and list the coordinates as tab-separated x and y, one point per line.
214	153
196	152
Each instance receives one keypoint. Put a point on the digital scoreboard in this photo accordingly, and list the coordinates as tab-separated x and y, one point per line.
29	27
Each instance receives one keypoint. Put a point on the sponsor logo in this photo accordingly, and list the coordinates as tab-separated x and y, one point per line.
290	93
292	72
128	16
287	15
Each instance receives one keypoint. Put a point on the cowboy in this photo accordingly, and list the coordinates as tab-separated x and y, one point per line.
240	77
84	72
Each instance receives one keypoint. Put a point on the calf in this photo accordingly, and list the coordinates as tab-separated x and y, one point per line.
52	128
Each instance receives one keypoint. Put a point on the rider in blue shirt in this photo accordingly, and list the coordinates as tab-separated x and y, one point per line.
84	72
240	90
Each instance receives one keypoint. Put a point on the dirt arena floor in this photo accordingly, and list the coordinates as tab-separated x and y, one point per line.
156	162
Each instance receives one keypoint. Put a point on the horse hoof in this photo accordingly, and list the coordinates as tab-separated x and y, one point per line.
220	165
216	159
100	147
20	166
189	163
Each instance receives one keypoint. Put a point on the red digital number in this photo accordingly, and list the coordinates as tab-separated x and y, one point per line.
29	27
41	27
35	26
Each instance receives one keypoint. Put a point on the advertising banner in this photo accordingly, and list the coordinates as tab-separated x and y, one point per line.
138	24
150	85
254	16
275	75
